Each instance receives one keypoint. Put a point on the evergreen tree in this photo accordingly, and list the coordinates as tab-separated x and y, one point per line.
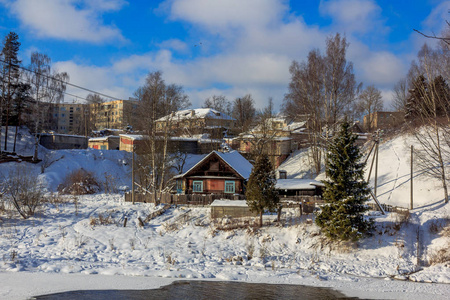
346	191
11	74
415	99
441	93
261	194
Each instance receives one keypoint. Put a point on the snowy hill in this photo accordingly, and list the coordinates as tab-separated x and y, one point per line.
393	186
57	164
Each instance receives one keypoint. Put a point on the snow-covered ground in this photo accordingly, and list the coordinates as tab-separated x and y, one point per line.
81	243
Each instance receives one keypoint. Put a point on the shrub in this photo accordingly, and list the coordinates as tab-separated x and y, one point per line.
79	182
440	256
102	220
24	191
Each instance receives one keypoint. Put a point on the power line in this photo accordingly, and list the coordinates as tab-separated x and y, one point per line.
67	83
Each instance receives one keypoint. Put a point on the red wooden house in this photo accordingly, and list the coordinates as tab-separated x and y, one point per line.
216	173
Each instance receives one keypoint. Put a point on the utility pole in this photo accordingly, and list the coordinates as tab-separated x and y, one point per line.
412	190
376	164
132	174
85	119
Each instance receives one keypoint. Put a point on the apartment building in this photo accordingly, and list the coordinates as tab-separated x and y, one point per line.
112	115
68	118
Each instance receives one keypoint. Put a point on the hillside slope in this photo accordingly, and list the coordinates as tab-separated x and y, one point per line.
393	174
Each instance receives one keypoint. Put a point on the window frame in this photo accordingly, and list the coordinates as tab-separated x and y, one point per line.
195	184
227	183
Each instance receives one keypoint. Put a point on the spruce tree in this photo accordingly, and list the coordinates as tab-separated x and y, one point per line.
261	194
10	71
346	191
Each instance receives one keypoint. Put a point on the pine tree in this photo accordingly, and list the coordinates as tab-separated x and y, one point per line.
261	194
10	73
414	100
346	191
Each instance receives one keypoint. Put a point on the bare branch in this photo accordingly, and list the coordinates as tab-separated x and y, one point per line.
444	39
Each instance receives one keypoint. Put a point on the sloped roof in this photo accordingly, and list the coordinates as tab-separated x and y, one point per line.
233	159
198	113
233	203
297	184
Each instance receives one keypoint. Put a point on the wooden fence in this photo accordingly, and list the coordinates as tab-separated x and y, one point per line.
191	199
308	203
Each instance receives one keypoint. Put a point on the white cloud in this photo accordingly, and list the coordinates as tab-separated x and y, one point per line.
436	20
351	16
99	79
381	68
175	44
222	14
68	19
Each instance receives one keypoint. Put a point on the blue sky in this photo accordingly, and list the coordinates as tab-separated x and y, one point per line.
217	47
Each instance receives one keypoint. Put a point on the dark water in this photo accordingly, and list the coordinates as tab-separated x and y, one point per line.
207	290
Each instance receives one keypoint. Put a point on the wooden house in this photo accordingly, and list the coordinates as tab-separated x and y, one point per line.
215	173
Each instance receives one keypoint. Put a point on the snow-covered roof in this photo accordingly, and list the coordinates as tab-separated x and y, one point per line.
198	113
61	134
241	203
257	135
234	159
295	126
297	184
103	138
133	136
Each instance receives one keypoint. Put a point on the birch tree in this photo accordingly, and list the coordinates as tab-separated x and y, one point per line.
48	86
370	101
157	99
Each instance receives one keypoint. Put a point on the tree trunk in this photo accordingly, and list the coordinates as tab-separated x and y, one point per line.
261	218
279	213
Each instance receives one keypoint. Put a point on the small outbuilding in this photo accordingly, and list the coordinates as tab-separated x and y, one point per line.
63	141
105	143
299	187
132	142
231	208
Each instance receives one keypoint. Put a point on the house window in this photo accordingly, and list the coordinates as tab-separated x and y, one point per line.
103	147
229	186
179	186
197	186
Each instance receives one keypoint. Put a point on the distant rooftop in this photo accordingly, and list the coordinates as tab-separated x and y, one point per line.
198	113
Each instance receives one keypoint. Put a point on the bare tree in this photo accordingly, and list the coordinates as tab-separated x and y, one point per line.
244	112
370	101
219	103
48	86
400	93
157	99
431	109
340	87
305	96
93	102
324	88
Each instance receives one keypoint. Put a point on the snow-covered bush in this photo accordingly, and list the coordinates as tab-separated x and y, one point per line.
79	182
22	188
